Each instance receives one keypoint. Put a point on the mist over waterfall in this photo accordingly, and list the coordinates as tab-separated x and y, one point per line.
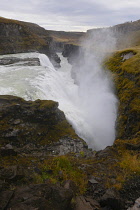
85	92
96	95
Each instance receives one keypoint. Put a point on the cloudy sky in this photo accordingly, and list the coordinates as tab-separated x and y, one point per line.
71	15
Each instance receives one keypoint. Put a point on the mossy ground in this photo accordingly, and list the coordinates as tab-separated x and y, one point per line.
51	169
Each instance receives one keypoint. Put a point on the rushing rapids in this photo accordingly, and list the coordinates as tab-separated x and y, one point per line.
90	110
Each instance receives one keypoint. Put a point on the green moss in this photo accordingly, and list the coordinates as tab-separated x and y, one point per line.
126	77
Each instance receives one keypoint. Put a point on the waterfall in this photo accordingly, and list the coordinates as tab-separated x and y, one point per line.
89	106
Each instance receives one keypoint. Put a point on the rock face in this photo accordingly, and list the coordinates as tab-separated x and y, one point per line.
19	61
17	36
39	124
20	37
70	51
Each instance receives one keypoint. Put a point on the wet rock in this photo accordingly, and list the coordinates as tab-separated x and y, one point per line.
70	51
19	61
37	127
55	60
104	153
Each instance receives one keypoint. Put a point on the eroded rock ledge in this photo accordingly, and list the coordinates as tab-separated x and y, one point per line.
37	127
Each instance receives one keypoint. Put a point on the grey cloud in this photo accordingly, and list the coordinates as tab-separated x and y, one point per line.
72	14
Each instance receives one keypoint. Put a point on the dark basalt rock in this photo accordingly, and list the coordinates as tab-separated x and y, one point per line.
70	51
18	61
37	126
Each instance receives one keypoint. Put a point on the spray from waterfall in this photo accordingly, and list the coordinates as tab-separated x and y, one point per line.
96	89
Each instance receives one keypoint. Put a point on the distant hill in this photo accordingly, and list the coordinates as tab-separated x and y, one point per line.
67	37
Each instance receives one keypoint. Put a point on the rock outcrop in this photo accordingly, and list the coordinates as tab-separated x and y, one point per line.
37	126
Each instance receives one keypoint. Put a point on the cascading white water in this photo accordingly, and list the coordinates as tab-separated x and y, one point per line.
91	109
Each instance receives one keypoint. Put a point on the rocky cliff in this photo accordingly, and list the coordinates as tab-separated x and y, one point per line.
38	124
18	36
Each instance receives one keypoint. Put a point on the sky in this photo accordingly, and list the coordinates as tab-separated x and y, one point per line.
71	15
